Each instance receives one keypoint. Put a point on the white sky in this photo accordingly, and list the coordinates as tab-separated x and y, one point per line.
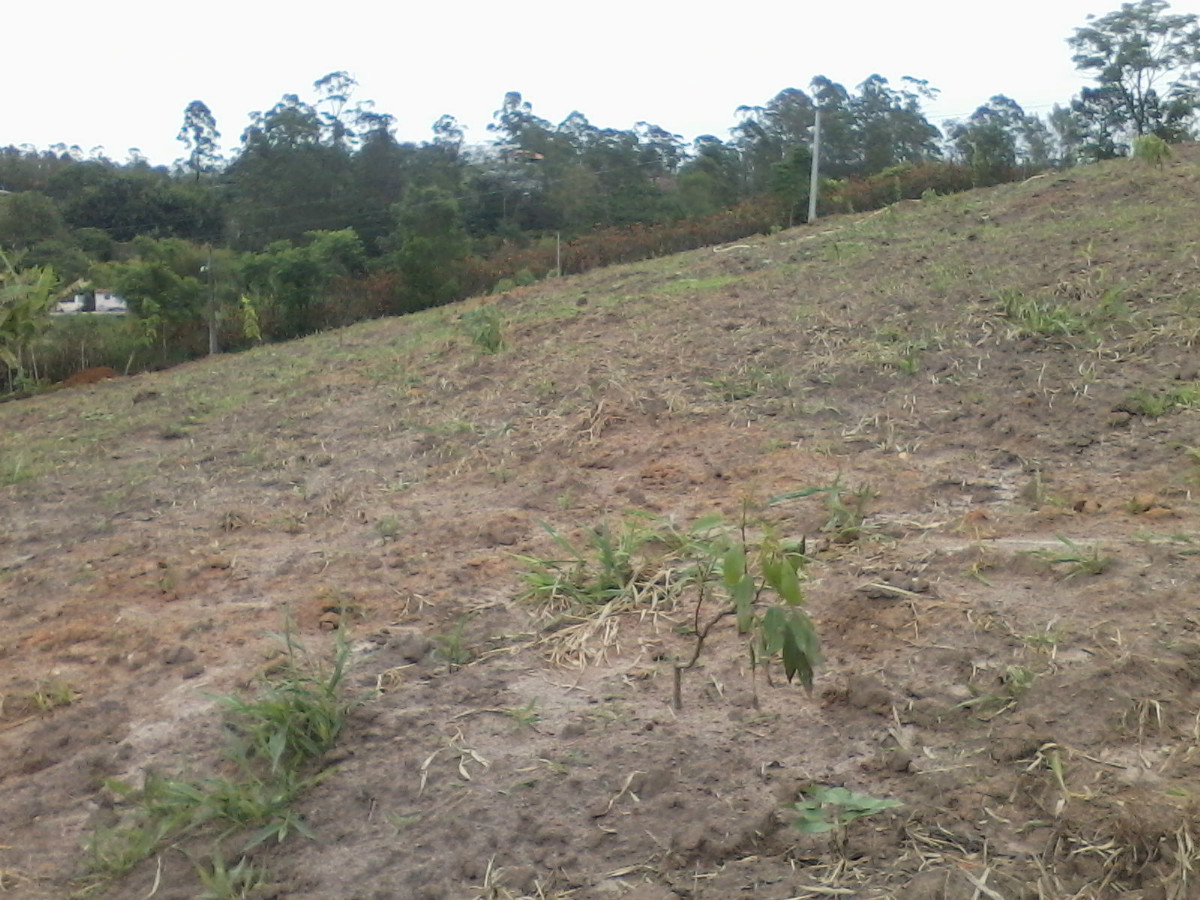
119	75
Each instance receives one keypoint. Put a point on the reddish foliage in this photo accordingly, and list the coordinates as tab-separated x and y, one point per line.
91	376
899	183
626	243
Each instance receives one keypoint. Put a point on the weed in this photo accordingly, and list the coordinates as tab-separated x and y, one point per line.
1154	406
222	882
14	470
827	809
526	716
1035	491
388	528
1040	318
278	738
111	852
1013	684
53	694
298	716
846	509
1144	716
1151	150
451	646
1077	560
909	361
1043	641
588	576
743	384
402	822
1017	681
483	327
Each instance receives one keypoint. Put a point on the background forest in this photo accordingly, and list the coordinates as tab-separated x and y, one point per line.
322	217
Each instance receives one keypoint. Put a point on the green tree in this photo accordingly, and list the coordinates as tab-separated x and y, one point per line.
767	135
889	126
126	202
1145	61
291	281
791	182
287	181
429	244
334	92
840	149
999	137
27	217
165	285
199	136
709	181
1099	123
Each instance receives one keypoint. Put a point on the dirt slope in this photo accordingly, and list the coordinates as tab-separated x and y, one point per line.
1006	379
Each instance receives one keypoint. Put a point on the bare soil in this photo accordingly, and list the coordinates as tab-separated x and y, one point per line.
1010	638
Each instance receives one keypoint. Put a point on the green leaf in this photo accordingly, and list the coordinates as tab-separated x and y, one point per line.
796	663
810	821
788	585
773	625
742	596
734	566
705	524
796	495
771	566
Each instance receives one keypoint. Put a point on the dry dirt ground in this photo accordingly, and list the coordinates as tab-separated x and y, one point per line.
1002	386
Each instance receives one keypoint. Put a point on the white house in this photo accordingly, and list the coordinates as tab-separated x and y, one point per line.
105	302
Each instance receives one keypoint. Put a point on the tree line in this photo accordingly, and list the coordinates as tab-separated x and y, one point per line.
321	216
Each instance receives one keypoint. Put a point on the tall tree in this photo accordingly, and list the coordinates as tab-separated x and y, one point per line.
708	182
199	136
1146	60
889	126
999	137
840	154
333	95
286	180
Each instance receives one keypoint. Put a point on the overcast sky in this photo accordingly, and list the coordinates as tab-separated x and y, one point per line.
119	75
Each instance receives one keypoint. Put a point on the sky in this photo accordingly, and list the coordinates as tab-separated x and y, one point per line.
119	75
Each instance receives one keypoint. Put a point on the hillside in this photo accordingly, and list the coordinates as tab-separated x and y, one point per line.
998	398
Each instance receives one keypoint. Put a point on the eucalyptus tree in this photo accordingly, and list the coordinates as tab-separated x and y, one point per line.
200	137
287	178
1145	63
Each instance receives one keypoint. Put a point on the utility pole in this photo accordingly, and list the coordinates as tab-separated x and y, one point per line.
815	179
213	347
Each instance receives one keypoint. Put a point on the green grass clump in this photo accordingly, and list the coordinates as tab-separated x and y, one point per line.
1156	405
1033	317
277	741
1074	560
482	325
603	568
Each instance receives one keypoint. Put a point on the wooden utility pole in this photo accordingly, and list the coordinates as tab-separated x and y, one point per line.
815	179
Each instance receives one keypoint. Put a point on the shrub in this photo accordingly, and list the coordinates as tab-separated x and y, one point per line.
1151	149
